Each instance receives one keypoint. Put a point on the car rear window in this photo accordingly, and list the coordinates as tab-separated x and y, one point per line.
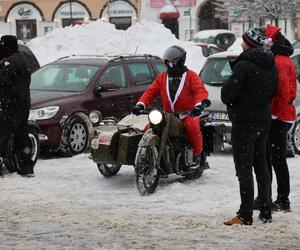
140	73
216	72
66	78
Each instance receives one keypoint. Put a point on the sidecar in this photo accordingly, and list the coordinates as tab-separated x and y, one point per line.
113	143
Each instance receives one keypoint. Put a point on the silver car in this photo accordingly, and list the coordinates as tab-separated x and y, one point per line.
214	73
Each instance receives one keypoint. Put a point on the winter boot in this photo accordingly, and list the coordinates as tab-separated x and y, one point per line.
238	220
265	216
282	205
196	161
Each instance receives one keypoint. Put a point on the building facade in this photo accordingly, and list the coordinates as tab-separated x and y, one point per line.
32	18
29	19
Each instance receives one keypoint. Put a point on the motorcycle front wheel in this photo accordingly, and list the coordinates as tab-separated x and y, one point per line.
146	174
108	170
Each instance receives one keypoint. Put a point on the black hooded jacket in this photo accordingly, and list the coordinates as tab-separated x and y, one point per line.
249	90
14	90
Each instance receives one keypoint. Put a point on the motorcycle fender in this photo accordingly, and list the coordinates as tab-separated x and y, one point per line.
149	139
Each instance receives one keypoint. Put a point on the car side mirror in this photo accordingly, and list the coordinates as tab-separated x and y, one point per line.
105	87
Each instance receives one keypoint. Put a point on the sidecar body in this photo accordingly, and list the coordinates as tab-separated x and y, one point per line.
117	142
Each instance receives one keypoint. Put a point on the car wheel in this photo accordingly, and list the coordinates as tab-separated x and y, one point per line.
74	137
296	135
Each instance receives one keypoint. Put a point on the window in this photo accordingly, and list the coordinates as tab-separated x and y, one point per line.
161	67
68	78
114	75
140	73
216	72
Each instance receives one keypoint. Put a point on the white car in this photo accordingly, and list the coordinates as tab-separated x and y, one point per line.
214	73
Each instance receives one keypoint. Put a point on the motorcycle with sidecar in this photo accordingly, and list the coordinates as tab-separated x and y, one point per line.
157	151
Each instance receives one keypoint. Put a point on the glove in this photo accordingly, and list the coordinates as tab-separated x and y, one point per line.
197	110
136	110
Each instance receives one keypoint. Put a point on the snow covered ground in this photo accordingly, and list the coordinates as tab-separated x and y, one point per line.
70	205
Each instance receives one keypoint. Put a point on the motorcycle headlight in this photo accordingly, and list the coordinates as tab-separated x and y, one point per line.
43	113
95	117
155	117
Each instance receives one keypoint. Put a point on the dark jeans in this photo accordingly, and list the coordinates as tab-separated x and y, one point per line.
278	145
249	144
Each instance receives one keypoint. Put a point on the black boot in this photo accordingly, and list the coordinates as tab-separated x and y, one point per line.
265	215
282	205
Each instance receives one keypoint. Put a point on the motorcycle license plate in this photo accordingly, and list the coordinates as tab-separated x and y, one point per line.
219	116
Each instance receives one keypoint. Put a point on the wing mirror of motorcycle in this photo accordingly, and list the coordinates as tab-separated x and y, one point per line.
206	103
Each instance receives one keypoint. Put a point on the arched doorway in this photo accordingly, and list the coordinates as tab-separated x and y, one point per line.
210	17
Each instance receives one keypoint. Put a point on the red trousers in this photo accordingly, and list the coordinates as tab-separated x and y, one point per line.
192	126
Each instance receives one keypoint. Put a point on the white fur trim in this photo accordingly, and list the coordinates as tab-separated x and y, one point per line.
181	85
142	104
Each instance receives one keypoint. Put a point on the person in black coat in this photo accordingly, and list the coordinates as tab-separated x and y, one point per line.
248	94
14	99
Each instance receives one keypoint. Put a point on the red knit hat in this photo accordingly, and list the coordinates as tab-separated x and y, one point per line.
271	33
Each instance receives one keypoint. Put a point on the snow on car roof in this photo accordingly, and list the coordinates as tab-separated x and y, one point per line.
225	54
213	32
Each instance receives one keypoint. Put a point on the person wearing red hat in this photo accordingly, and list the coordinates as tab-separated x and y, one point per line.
283	114
248	93
14	100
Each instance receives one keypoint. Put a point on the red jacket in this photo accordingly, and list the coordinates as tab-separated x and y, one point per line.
282	103
191	92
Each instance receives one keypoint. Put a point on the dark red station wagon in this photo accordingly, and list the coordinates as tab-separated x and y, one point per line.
64	92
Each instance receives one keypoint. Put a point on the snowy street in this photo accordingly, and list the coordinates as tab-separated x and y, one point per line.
70	205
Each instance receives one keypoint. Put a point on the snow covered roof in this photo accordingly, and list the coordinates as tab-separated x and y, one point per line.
213	32
168	9
168	12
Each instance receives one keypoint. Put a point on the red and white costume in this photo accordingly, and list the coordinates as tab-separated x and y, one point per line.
282	104
191	91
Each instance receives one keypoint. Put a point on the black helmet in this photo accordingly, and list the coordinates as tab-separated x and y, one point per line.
175	53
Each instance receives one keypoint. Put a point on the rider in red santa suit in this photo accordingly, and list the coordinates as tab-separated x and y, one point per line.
181	90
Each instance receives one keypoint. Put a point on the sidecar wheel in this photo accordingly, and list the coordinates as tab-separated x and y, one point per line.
108	170
146	174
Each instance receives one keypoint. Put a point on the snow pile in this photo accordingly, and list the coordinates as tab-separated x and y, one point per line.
99	38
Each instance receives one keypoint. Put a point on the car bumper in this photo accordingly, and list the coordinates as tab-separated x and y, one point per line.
50	133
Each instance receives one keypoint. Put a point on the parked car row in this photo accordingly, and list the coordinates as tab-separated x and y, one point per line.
216	70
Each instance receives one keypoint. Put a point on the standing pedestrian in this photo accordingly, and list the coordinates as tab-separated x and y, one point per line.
283	114
15	80
248	94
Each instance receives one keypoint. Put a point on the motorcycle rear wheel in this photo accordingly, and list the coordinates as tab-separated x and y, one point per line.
11	159
146	174
109	170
